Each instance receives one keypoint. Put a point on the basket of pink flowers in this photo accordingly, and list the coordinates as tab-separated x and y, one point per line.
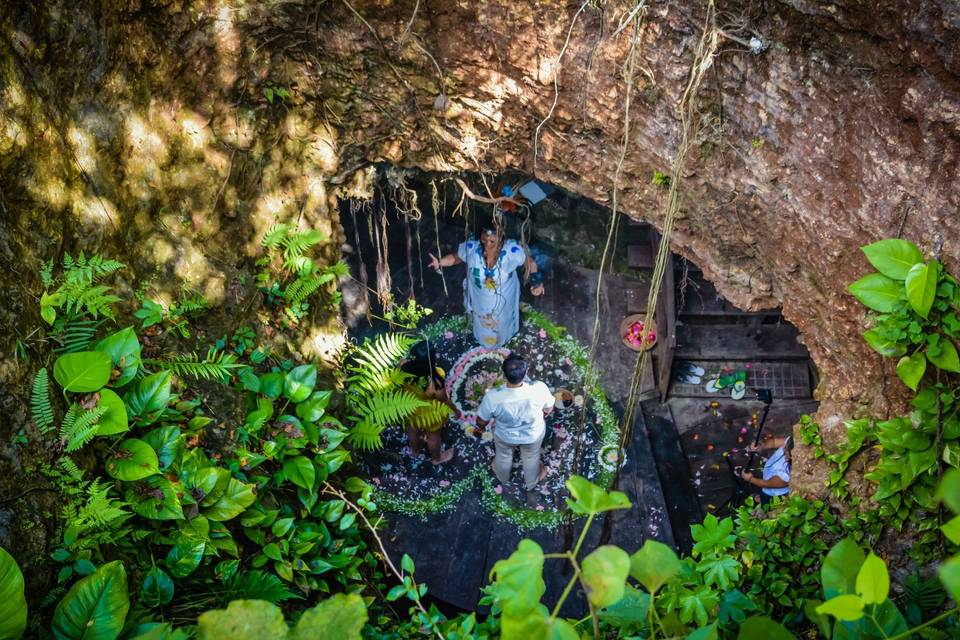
633	334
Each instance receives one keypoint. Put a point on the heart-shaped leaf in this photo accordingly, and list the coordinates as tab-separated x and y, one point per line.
167	442
921	285
149	397
840	568
237	497
155	498
157	588
654	565
82	372
910	369
271	385
883	346
114	421
95	607
183	559
520	579
13	604
243	619
848	608
123	347
605	572
630	610
133	460
341	617
589	498
299	382
312	409
893	257
301	472
873	581
947	358
877	292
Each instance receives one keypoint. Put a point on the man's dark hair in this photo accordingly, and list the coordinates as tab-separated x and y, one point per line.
421	363
514	369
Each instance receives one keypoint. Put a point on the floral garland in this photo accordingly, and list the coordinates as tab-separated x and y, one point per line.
491	498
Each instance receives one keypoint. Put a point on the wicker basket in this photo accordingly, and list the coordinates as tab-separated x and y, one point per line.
625	327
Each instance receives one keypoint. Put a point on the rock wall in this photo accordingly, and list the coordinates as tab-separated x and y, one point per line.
172	133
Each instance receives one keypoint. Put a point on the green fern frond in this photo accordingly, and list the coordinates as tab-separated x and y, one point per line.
93	300
297	243
374	357
40	408
216	365
275	235
71	469
338	269
365	436
375	381
434	412
74	334
257	585
387	407
79	426
188	304
304	287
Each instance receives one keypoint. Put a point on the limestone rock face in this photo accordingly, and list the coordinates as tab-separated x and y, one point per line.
171	134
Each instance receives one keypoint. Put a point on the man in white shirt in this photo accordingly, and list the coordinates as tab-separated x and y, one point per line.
517	411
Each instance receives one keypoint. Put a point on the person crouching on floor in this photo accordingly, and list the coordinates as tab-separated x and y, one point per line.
517	411
425	425
776	472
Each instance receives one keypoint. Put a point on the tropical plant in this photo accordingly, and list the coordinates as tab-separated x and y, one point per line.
13	604
289	276
77	291
176	318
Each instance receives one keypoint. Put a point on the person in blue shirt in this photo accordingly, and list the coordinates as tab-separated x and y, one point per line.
775	480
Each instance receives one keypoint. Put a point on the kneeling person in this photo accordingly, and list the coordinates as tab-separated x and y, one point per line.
517	411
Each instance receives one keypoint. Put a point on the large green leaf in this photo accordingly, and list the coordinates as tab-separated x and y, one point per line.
877	292
654	565
114	421
921	285
133	460
167	442
149	397
123	347
536	625
760	627
630	610
312	409
13	604
604	572
520	579
847	608
910	369
299	382
158	631
183	559
82	372
893	257
589	498
882	345
947	358
341	617
95	607
157	589
873	581
243	620
949	573
155	498
840	568
271	385
301	472
237	497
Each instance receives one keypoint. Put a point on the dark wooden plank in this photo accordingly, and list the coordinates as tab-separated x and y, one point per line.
666	323
732	342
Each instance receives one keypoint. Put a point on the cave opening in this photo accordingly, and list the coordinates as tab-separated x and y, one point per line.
674	468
